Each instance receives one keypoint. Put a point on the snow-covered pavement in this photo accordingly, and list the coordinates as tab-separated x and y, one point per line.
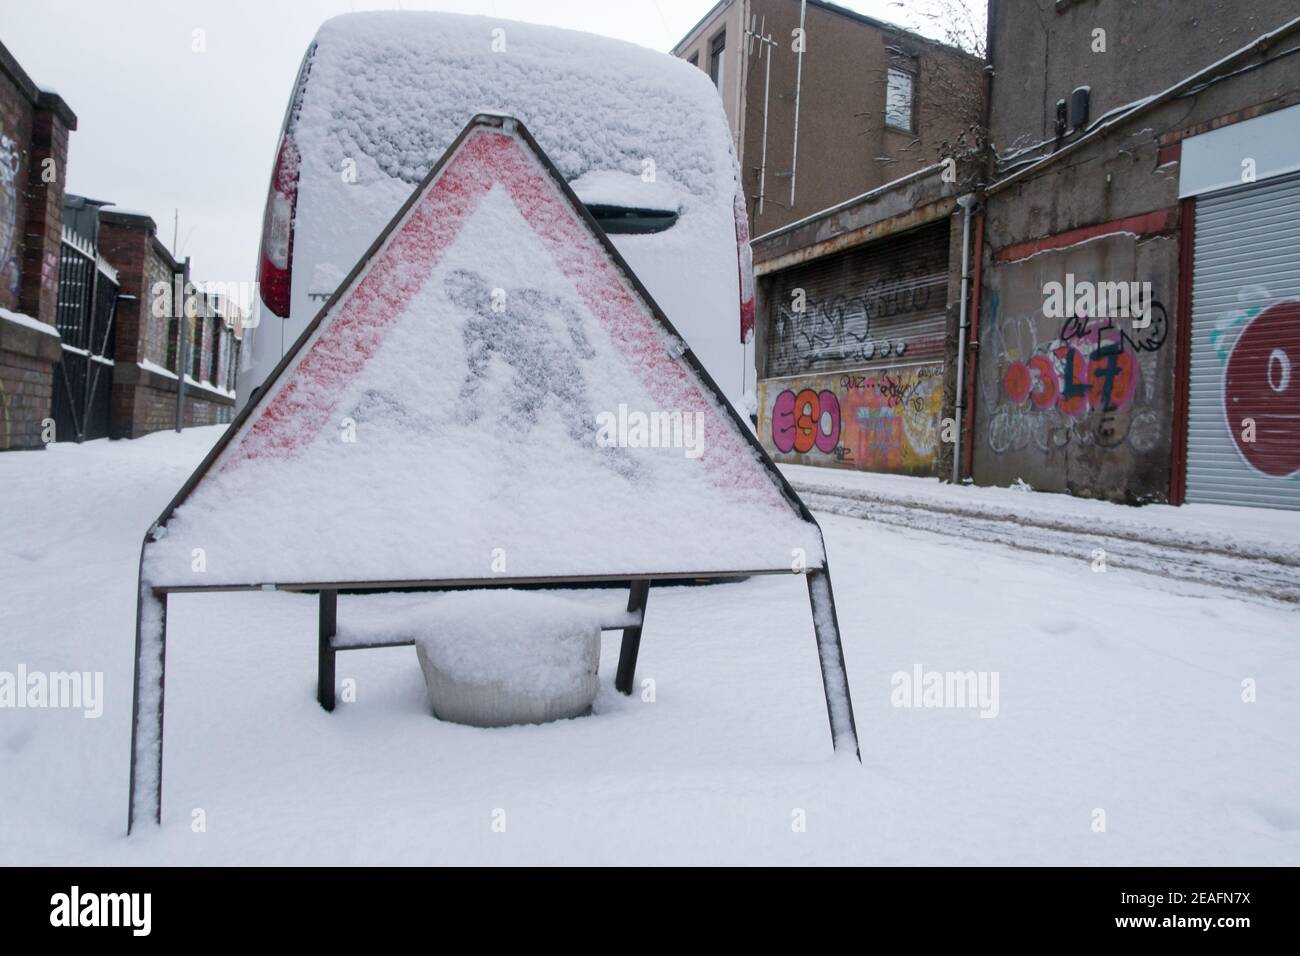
1250	551
1119	691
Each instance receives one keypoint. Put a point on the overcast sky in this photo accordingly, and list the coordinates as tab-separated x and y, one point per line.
161	127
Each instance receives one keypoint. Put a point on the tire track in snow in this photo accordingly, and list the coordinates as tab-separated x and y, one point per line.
1242	574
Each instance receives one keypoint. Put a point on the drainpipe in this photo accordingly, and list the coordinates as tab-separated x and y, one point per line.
973	358
994	17
967	204
798	83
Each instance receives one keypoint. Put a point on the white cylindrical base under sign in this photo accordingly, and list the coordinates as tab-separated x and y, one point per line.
527	669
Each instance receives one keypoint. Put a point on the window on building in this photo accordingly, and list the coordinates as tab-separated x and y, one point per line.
172	327
228	372
214	360
196	346
900	110
717	58
160	344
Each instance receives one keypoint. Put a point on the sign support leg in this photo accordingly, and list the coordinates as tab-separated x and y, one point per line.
144	798
325	652
636	601
835	680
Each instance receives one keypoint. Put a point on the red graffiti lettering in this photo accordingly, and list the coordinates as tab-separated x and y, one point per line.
1017	382
1044	397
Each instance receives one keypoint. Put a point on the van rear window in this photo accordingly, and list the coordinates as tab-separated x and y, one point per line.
623	220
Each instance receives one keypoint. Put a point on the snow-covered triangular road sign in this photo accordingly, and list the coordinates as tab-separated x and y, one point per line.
453	398
491	395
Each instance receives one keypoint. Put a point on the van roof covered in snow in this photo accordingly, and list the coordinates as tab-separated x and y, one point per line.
390	91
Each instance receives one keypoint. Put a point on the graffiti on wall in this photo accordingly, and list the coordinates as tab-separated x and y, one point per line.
878	420
9	162
1085	385
1068	398
853	329
1259	351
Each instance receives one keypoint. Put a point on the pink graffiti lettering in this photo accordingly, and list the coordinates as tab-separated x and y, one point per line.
807	420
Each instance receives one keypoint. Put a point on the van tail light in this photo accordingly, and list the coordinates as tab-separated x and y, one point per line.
275	265
745	263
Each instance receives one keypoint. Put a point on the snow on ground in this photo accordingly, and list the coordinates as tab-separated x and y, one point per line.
1247	531
1113	693
1253	551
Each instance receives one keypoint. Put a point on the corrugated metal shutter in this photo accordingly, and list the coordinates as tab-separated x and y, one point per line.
1246	347
860	305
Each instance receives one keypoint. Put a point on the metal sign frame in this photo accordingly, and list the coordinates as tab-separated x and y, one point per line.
145	793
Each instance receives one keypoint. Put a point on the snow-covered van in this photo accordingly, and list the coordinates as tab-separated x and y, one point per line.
640	136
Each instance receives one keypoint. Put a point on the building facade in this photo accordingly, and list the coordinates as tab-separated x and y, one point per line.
826	104
1137	305
857	330
855	140
34	127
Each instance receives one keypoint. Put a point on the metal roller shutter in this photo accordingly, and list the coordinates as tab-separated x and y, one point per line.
1245	356
855	379
860	305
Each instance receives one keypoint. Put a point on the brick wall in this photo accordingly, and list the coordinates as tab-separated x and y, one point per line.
25	393
130	243
38	296
124	246
200	412
140	408
156	337
15	135
34	127
144	399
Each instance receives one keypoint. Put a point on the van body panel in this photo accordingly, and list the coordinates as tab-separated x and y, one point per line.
382	95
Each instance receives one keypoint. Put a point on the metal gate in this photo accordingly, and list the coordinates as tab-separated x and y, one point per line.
1243	439
87	305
